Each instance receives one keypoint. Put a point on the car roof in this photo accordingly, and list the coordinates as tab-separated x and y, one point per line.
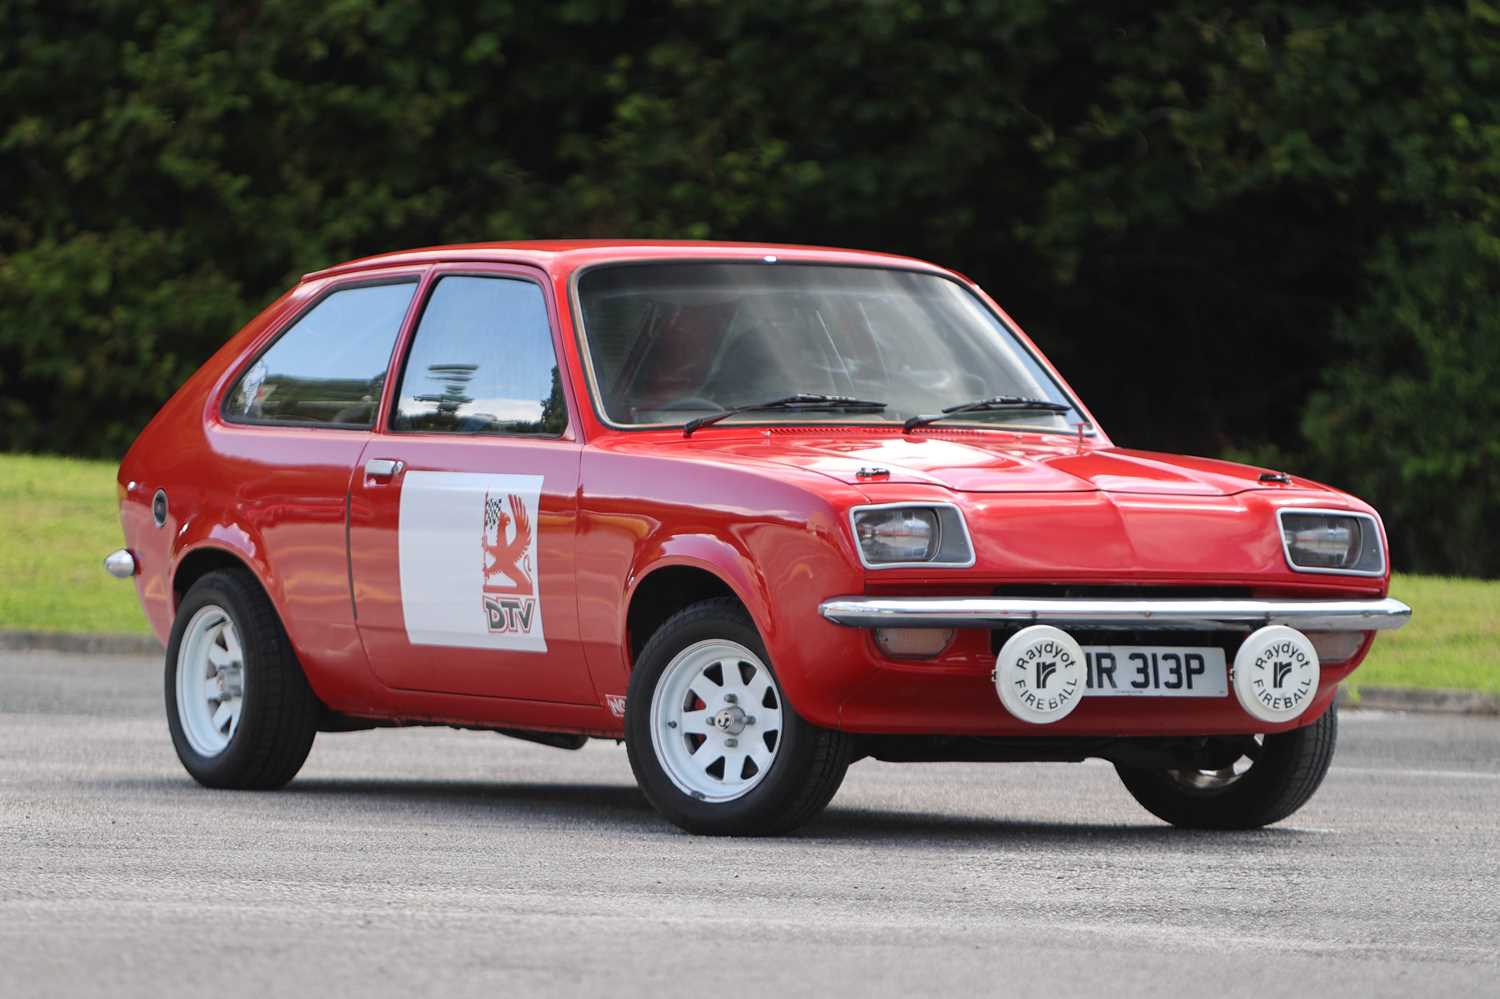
565	255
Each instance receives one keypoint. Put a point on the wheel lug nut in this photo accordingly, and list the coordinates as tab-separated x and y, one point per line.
731	743
749	719
731	699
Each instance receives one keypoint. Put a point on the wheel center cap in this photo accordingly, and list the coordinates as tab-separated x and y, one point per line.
730	720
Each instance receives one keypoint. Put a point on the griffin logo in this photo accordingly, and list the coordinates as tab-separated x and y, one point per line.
506	545
616	704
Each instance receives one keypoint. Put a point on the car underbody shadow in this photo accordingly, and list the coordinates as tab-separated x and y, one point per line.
873	827
625	806
867	826
602	798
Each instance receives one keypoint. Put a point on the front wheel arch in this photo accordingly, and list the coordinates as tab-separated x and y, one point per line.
663	592
809	761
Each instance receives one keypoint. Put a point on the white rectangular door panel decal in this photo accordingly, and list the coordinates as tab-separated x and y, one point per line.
468	551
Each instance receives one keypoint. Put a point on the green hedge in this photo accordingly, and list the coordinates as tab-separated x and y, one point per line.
1248	229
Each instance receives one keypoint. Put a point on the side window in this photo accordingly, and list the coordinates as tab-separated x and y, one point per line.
330	366
482	362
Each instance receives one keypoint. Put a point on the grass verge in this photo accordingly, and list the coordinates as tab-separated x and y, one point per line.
59	517
1453	639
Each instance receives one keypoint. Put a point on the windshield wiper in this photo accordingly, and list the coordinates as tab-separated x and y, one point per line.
991	405
803	402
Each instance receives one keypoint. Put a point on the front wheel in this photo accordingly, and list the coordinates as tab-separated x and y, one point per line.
713	743
1255	782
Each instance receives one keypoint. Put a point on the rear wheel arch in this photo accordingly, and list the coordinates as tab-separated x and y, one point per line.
201	561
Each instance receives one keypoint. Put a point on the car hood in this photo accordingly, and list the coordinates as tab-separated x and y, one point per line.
994	463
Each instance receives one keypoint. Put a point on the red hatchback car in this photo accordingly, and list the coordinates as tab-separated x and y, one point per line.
760	511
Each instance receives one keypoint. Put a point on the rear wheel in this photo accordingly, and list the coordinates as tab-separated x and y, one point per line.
713	743
1254	781
238	705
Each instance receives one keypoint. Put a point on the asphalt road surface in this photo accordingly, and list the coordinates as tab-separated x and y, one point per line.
432	862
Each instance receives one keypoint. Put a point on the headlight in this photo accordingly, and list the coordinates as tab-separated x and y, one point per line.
907	534
1329	541
897	535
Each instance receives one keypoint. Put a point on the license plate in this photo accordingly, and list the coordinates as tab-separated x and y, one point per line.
1155	671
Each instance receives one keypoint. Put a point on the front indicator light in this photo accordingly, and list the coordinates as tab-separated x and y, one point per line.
913	643
1336	646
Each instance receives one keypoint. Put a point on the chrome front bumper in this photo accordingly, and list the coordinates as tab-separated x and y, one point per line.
1126	614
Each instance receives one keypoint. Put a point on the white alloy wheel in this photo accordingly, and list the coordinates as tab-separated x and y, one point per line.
210	681
716	720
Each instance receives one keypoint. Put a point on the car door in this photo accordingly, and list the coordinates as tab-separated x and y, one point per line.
291	429
464	507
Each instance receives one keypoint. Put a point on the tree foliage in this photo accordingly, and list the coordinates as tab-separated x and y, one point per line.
1246	228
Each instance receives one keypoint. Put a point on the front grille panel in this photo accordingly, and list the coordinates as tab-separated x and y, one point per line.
1229	641
1116	592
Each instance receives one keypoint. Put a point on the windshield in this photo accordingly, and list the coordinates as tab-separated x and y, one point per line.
672	342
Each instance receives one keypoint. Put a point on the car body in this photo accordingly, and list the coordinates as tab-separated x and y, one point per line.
430	563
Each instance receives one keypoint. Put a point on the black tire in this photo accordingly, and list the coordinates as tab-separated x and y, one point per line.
279	713
805	774
1280	780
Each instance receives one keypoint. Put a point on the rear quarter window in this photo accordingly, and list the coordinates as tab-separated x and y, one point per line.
329	367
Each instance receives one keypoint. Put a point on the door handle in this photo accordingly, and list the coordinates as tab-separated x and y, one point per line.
383	469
